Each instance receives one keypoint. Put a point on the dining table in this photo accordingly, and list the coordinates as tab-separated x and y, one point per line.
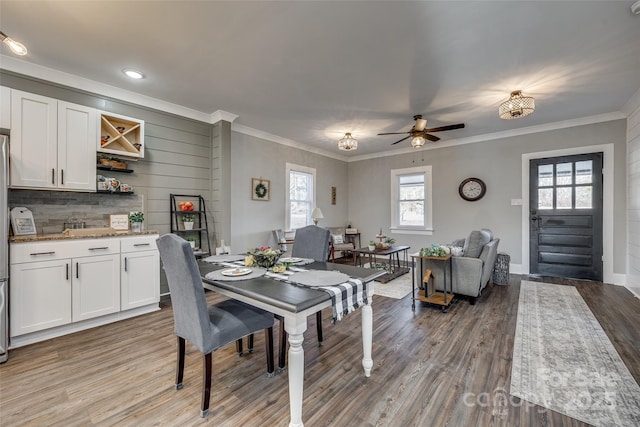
294	303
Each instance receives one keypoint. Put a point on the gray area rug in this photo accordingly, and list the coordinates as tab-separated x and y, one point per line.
564	361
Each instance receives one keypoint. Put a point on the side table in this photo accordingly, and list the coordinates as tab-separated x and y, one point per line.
442	299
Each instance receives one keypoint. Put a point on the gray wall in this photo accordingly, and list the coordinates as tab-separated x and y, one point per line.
251	220
498	164
633	155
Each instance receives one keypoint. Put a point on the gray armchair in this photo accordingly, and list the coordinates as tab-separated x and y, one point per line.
207	328
471	271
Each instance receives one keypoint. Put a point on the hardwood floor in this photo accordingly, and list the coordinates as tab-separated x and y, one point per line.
430	369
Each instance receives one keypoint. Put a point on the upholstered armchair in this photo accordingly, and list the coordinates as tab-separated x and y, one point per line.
338	242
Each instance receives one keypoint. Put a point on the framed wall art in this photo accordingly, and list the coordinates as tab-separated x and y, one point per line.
260	189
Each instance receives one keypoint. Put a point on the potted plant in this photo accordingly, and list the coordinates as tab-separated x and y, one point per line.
136	218
192	242
372	245
187	220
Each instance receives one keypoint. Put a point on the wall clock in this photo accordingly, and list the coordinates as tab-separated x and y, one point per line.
472	189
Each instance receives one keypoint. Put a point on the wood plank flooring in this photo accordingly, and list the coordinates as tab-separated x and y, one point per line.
430	369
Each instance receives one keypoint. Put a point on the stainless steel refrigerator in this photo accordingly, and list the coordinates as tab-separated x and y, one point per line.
4	247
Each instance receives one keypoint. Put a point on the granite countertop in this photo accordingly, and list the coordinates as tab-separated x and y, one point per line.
82	233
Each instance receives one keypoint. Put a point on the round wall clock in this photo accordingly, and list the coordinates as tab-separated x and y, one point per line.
472	189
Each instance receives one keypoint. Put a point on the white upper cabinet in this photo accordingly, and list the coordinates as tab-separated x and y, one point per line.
5	107
52	143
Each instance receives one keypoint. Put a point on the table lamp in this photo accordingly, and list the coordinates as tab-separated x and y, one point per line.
316	215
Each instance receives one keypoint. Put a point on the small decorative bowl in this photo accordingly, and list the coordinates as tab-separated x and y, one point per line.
266	261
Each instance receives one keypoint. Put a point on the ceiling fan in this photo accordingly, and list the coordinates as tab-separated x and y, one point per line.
419	133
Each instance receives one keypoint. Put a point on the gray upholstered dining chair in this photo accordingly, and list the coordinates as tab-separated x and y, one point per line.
207	328
310	242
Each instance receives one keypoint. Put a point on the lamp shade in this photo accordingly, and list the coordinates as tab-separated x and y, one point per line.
347	142
516	106
316	215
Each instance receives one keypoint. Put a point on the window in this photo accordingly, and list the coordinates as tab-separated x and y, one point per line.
566	185
301	197
411	200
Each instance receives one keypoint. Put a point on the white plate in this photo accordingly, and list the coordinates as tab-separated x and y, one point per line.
293	260
236	271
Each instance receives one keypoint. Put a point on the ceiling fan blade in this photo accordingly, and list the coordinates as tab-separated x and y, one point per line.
448	127
406	137
393	133
432	138
420	124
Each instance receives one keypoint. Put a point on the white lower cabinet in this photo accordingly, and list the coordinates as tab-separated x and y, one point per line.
140	272
58	283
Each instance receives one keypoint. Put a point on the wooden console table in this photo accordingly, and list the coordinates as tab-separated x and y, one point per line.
442	299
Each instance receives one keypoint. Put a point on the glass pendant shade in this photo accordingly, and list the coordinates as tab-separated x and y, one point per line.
417	142
347	142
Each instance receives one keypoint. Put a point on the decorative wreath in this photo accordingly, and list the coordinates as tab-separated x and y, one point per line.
261	190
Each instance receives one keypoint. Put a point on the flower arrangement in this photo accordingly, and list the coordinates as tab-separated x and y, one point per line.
435	250
264	256
188	218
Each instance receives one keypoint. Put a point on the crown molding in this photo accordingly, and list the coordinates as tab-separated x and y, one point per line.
599	118
222	115
632	105
246	130
77	82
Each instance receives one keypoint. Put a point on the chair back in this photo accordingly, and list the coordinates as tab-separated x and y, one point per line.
311	242
190	310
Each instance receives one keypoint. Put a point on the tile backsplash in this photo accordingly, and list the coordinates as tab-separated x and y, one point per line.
51	209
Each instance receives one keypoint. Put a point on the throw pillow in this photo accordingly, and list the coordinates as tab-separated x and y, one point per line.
474	243
337	239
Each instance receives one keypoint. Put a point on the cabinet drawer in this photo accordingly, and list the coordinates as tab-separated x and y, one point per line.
60	249
138	243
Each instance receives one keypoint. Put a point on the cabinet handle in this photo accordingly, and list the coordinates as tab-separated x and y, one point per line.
125	263
77	270
102	248
62	177
141	244
53	176
67	271
42	253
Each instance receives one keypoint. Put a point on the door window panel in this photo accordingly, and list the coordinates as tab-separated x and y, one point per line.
564	174
584	172
563	198
545	175
545	198
584	197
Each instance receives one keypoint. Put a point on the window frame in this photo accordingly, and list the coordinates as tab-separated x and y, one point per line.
427	228
303	169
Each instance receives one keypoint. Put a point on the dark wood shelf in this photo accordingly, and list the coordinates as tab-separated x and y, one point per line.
112	169
115	192
186	231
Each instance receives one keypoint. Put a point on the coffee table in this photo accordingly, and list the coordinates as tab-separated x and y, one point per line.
393	252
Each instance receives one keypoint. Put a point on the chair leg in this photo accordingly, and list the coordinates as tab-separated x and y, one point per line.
239	350
268	337
180	363
319	327
282	353
206	385
250	343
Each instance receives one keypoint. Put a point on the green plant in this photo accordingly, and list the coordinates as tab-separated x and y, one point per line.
372	243
191	239
136	216
390	240
188	218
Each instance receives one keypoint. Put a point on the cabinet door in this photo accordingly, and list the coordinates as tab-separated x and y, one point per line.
40	296
96	286
77	133
33	148
140	279
5	107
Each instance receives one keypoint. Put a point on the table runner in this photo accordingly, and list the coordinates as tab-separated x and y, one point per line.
345	297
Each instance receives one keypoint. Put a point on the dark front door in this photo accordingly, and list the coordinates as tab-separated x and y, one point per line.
565	235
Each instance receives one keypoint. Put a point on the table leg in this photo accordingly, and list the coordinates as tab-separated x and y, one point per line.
413	282
367	336
295	327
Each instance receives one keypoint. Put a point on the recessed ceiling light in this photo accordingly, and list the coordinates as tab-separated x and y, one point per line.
133	73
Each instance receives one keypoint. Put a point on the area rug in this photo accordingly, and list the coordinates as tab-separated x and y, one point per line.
397	288
564	361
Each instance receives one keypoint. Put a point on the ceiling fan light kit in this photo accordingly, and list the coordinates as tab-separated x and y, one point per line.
516	106
348	143
417	142
419	134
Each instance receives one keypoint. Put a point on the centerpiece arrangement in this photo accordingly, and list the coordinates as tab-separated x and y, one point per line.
435	250
264	256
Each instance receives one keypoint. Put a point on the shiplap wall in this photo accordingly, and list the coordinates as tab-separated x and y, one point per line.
179	157
633	202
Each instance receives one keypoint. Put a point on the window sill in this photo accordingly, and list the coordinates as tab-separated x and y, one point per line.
415	231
